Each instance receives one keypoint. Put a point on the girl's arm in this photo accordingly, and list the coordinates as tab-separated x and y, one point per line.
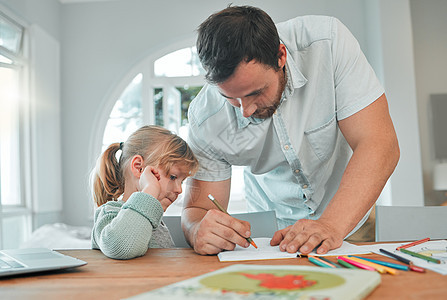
124	232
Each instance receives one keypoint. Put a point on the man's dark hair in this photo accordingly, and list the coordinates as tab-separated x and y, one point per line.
233	35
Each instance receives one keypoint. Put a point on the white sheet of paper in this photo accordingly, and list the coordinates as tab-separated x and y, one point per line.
438	248
265	251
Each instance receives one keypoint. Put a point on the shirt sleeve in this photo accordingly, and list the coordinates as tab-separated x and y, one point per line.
124	232
356	84
212	164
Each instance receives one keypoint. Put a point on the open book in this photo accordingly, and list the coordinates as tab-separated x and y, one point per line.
271	282
265	251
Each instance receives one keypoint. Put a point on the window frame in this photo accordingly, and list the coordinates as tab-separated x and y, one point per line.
20	63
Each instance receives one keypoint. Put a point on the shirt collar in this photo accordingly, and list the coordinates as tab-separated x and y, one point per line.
295	80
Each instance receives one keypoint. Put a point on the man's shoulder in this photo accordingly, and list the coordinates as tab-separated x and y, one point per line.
205	105
302	31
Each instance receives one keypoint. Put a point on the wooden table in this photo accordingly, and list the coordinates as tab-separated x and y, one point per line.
105	278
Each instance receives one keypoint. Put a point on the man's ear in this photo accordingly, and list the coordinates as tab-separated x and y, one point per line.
282	56
137	165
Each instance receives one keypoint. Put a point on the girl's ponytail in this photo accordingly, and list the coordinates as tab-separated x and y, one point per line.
107	179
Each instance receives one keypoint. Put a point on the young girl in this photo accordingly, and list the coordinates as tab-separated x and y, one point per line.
132	192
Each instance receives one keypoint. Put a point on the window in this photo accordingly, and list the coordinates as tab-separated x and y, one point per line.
126	115
13	209
160	94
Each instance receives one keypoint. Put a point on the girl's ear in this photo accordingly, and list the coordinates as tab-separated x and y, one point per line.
137	165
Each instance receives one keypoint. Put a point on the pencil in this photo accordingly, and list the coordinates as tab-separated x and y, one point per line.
404	260
320	263
224	211
328	263
380	268
376	267
427	258
346	264
413	244
386	264
355	263
395	256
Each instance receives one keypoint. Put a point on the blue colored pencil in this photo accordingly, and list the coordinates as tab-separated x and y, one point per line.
385	263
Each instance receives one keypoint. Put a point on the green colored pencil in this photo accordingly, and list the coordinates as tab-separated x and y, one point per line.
319	262
328	261
427	258
346	264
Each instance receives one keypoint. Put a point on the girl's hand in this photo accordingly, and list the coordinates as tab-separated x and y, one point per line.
149	182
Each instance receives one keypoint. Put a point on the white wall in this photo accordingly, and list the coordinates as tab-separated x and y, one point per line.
102	41
430	50
391	36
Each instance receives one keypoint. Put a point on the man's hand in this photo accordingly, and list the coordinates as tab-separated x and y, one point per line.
218	231
305	235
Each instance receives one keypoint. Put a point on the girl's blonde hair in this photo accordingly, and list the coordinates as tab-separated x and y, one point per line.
158	146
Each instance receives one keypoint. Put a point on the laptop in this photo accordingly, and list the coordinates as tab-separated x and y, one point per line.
29	260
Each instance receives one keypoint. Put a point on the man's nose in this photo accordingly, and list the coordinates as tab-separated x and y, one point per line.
247	108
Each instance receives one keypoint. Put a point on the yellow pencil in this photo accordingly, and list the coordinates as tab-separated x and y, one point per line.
223	210
379	268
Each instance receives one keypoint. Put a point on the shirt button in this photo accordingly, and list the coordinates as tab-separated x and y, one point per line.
305	186
297	171
286	147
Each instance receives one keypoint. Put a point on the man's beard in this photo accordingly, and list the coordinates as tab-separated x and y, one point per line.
267	112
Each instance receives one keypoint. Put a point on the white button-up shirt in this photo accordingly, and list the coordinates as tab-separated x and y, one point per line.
295	159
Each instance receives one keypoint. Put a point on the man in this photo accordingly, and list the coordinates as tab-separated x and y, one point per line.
304	112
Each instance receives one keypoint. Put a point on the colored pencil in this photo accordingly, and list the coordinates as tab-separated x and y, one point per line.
346	264
425	257
328	261
395	256
324	261
404	260
224	211
376	267
355	263
386	264
320	263
380	268
413	244
416	268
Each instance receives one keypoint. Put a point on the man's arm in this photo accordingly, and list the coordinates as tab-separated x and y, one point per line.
208	230
370	133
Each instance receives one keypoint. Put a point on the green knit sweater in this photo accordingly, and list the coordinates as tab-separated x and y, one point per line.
125	230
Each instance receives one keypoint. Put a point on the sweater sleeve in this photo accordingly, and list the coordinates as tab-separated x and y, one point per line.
123	231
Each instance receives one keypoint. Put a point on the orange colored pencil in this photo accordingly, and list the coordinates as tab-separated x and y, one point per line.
413	244
330	265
